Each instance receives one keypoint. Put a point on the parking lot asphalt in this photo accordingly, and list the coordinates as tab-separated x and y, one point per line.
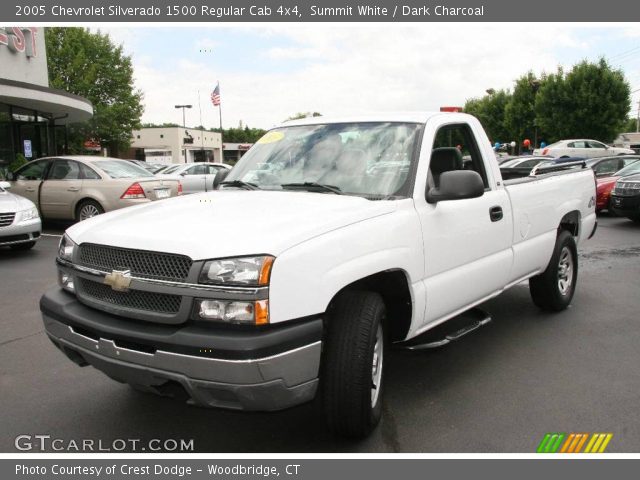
499	389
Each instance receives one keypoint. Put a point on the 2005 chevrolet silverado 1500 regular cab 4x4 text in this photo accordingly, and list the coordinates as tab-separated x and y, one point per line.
329	241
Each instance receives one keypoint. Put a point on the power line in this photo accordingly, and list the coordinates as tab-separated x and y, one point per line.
622	54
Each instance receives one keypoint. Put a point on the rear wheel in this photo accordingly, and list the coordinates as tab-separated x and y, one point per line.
553	289
353	366
87	209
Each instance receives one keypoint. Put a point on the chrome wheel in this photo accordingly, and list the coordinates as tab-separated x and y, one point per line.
376	367
565	271
87	211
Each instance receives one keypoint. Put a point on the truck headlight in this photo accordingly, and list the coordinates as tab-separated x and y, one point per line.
248	313
66	247
244	271
28	214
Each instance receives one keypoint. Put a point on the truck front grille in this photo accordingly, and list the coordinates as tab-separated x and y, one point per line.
141	263
131	299
627	189
6	219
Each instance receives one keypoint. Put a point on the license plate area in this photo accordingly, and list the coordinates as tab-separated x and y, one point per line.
161	193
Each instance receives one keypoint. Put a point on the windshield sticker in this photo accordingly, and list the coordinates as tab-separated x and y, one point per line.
271	137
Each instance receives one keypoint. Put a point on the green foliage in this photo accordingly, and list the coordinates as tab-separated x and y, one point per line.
520	116
19	161
241	135
92	66
300	115
591	101
490	110
631	125
162	125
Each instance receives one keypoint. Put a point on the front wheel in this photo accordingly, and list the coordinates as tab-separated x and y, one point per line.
553	289
353	364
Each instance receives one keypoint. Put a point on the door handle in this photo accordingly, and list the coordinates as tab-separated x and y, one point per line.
30	189
73	189
495	213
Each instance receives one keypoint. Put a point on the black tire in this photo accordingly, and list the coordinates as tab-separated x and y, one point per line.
88	206
548	291
23	246
356	325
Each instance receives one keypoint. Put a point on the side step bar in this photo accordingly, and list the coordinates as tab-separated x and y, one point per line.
448	331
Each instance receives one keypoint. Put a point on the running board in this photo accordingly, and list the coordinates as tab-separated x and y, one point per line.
448	331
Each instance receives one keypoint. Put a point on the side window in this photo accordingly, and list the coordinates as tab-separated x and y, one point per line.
213	169
64	170
455	148
580	145
571	145
33	171
199	170
88	173
597	145
607	166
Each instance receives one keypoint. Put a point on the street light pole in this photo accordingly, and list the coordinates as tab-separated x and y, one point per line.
184	126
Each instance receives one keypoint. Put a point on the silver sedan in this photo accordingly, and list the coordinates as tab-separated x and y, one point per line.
20	225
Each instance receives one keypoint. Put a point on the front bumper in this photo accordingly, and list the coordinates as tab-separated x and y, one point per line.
268	369
626	206
22	232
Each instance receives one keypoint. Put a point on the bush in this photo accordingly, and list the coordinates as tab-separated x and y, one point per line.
17	163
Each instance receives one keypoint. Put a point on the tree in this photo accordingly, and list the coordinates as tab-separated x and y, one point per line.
591	101
520	115
92	66
490	110
300	115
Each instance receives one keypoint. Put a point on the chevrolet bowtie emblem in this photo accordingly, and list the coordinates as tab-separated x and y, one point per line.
118	280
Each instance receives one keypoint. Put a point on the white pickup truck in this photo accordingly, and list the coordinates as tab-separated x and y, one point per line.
329	241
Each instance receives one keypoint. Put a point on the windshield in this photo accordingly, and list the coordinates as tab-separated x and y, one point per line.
366	159
172	169
629	169
122	169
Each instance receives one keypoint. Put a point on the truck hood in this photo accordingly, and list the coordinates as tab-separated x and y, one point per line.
228	223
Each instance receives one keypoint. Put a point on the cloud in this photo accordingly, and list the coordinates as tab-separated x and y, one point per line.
347	69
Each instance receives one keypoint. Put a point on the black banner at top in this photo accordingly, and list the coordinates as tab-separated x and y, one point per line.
66	11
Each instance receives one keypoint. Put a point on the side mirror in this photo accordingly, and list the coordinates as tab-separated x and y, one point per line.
183	174
220	176
457	185
5	185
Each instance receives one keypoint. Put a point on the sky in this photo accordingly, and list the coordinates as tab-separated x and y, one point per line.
270	72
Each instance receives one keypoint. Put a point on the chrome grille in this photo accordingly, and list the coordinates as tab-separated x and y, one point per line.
133	299
6	219
627	189
141	263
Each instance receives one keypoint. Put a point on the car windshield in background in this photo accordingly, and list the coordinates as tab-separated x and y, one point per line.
629	169
371	160
122	169
171	169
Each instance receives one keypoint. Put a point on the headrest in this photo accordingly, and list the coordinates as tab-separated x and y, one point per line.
445	159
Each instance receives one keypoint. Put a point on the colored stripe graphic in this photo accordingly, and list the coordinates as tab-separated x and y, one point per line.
573	442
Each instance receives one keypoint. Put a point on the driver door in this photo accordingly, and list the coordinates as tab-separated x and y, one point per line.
467	242
28	180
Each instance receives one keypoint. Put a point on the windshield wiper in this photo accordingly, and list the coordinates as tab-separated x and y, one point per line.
314	186
241	184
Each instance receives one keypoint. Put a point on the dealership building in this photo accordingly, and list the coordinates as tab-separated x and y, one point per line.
33	116
176	145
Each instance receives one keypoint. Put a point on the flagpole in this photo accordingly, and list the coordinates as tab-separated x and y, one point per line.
220	112
201	128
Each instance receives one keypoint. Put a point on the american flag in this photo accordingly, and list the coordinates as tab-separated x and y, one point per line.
215	96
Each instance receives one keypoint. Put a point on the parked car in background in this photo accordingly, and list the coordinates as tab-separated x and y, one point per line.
608	166
581	148
624	191
80	187
20	225
525	162
194	177
625	197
